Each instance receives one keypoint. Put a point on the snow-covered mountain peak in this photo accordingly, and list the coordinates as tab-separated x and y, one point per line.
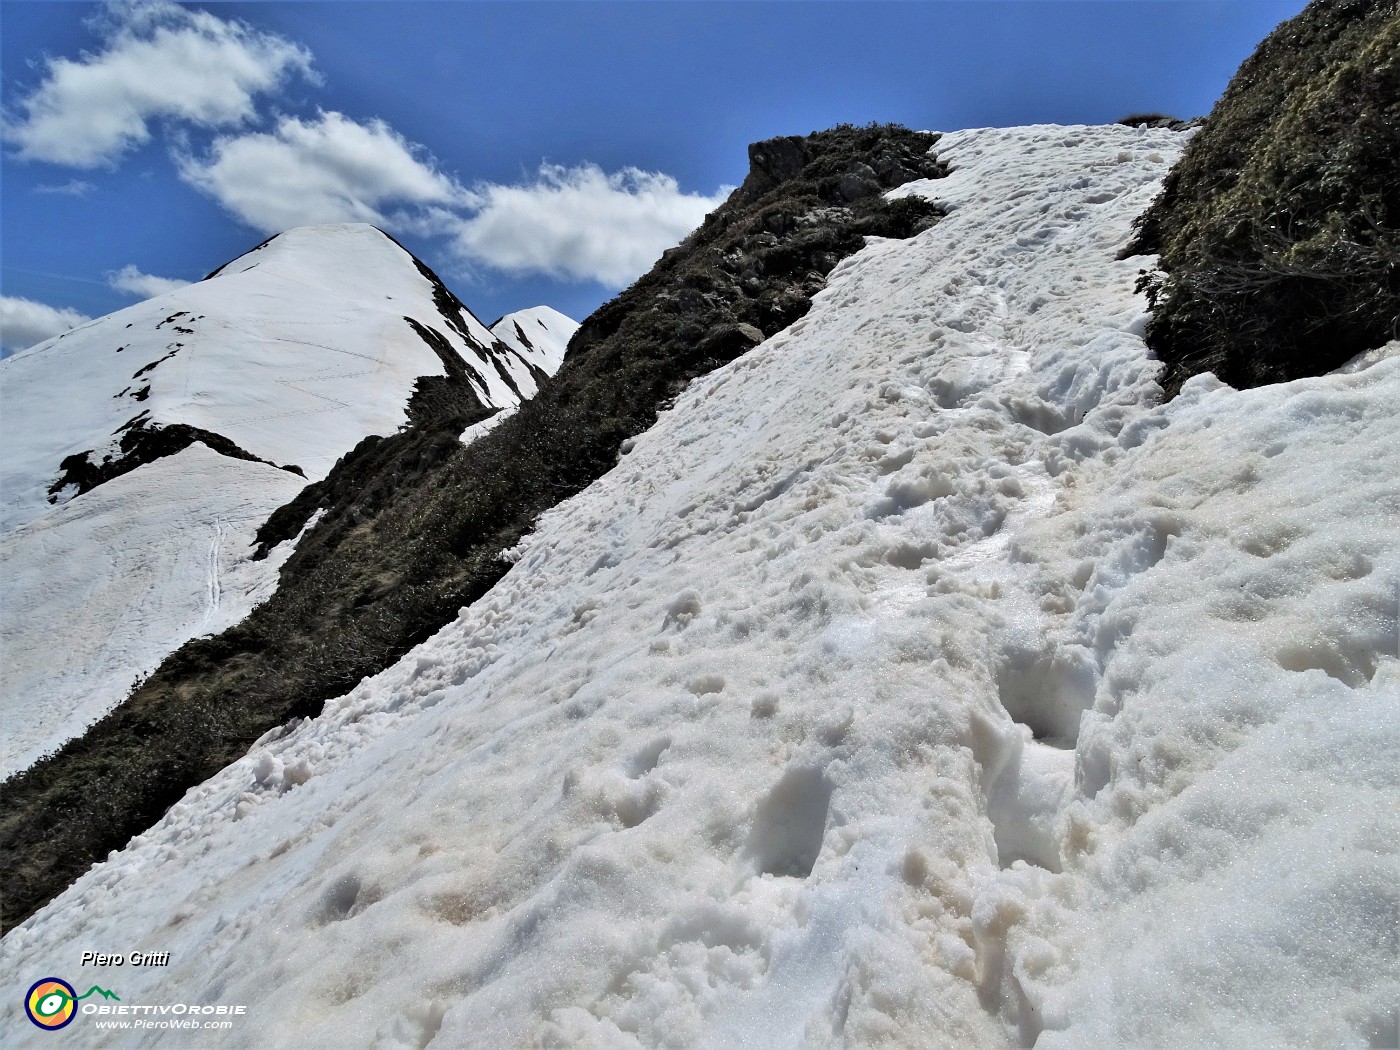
360	261
292	352
144	449
348	248
540	333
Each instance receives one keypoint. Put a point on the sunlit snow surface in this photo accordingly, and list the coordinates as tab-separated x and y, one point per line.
98	591
913	682
294	352
539	335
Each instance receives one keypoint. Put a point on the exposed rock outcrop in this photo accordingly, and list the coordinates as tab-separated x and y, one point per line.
1279	230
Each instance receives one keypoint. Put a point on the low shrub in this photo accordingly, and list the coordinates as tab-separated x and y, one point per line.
1279	229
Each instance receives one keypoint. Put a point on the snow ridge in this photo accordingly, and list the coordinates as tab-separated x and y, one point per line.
312	322
284	358
918	679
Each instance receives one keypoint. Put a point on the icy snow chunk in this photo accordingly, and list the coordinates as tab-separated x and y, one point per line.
700	685
764	705
297	773
267	768
683	608
905	492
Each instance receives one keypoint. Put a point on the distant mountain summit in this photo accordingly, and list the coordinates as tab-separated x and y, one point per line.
290	354
144	449
539	334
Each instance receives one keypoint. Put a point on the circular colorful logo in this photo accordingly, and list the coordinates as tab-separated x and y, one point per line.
51	1003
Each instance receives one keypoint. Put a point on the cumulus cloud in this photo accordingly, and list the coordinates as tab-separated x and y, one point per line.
160	62
581	223
24	322
575	223
131	280
330	169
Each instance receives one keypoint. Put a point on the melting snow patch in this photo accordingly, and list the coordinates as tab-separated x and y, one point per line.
1017	707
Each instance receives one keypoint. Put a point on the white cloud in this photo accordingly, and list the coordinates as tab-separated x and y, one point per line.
330	169
581	223
575	223
160	61
24	322
130	279
71	188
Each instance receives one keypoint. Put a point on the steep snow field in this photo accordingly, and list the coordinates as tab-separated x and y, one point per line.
539	335
97	592
294	351
915	681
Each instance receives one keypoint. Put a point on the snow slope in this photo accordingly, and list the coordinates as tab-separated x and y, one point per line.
539	335
97	592
915	681
294	352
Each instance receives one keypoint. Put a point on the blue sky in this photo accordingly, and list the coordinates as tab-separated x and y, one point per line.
528	152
